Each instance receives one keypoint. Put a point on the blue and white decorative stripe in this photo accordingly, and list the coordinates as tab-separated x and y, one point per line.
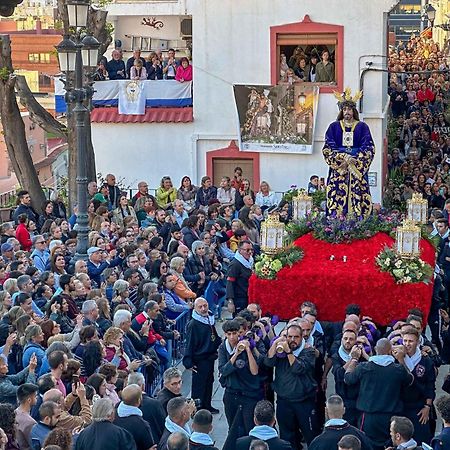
158	93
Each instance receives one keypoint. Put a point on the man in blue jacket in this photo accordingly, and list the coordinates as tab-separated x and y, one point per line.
97	264
116	67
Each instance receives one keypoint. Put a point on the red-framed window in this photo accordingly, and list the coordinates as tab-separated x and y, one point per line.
309	38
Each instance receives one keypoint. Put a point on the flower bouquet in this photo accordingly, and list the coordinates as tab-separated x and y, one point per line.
267	267
341	229
404	269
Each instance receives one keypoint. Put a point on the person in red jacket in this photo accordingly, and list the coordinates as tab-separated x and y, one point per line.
142	324
425	93
22	233
144	320
184	71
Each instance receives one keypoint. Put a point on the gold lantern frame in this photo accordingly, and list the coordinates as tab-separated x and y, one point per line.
302	198
408	239
417	209
272	235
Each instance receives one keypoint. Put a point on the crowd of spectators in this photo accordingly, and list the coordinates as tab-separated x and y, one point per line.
75	332
154	67
84	343
419	133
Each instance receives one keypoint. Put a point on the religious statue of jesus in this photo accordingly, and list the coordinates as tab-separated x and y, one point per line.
348	151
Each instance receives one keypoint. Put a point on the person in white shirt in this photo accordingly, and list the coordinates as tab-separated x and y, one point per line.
226	194
265	197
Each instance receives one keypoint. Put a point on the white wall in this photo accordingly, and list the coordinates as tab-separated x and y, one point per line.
143	151
132	25
142	7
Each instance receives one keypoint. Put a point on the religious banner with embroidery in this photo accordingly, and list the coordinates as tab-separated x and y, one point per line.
276	119
132	97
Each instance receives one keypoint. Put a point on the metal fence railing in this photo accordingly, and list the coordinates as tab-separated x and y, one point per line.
177	348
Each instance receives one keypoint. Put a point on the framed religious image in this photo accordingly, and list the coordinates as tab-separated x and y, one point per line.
372	179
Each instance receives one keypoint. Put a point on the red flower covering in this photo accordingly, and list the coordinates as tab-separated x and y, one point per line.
332	285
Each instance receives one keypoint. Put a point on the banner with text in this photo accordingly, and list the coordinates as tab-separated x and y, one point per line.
276	119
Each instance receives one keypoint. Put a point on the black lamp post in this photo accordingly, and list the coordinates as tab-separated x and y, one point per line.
74	53
431	14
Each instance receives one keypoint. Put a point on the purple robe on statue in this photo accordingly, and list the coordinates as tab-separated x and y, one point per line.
348	191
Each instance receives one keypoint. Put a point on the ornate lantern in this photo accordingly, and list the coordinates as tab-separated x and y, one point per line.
272	235
302	205
417	208
408	238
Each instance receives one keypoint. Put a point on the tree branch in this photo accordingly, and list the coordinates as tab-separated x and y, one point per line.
39	115
97	26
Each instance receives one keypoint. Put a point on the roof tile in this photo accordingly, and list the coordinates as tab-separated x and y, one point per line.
152	115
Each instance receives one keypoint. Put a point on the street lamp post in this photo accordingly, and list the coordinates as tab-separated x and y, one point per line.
74	52
431	14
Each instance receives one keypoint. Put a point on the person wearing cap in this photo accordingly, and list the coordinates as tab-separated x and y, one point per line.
7	252
96	265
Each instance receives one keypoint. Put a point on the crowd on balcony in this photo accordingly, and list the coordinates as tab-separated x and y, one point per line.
153	67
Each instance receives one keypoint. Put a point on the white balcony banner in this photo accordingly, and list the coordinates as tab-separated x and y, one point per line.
132	97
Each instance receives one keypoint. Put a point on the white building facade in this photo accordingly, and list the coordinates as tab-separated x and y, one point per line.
239	42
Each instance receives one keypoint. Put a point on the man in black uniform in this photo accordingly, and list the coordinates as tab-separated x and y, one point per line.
419	396
336	428
380	384
239	272
294	383
316	339
202	425
349	393
238	369
202	342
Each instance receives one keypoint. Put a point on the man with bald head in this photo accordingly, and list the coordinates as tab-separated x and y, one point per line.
380	380
337	427
129	417
202	343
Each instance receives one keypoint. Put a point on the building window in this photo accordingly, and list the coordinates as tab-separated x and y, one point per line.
311	57
44	80
308	52
33	57
44	58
